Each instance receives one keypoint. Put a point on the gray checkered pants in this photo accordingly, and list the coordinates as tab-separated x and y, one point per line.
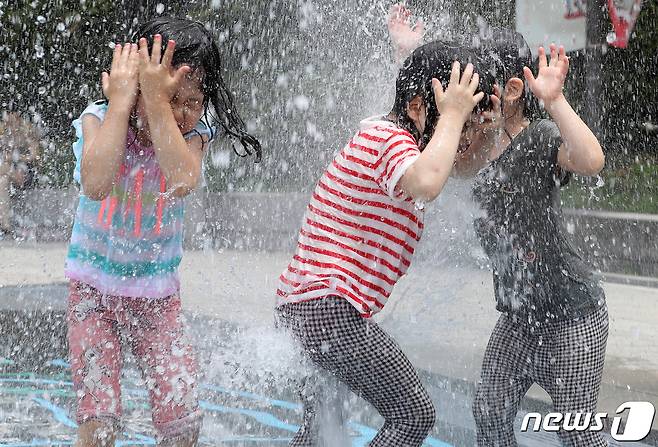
565	358
361	355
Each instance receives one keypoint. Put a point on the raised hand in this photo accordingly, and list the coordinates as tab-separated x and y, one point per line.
459	98
120	84
548	84
404	36
158	80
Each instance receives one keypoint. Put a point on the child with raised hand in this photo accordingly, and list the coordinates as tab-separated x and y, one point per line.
358	236
553	325
138	154
553	310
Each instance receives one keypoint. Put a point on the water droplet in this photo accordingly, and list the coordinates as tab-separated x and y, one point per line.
301	102
610	38
571	227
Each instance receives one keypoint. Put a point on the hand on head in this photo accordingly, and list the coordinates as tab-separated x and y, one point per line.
548	84
459	98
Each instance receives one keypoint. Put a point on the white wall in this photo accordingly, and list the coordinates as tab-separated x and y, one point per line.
543	22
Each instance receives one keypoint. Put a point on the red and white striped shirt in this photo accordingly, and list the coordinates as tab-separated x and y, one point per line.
360	230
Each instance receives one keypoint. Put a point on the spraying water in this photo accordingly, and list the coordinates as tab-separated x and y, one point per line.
304	73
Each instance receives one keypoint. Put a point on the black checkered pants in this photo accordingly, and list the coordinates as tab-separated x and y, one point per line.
361	355
565	358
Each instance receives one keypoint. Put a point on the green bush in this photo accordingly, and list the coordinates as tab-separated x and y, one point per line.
630	188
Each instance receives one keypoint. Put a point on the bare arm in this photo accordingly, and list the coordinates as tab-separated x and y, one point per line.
425	178
580	152
103	151
405	38
105	143
179	160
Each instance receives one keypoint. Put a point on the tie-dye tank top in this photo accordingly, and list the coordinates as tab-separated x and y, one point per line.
131	243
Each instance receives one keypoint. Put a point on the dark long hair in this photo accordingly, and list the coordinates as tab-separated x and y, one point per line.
434	60
510	53
196	47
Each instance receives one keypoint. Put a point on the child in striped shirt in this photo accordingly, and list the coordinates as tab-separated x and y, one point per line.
138	154
359	234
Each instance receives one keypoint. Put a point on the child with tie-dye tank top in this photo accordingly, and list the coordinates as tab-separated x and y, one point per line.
138	154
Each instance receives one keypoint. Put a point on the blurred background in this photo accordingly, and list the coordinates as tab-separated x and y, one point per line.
304	72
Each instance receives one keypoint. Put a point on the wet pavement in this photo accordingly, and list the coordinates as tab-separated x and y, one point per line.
248	390
441	314
245	402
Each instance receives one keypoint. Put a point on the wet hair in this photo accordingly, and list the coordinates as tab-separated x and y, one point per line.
434	60
196	47
510	52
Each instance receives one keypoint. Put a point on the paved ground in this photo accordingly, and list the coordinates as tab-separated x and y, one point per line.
441	314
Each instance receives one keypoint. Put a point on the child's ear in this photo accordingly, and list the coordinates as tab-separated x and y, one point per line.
413	108
513	89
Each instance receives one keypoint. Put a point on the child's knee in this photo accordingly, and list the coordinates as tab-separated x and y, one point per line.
422	417
426	417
